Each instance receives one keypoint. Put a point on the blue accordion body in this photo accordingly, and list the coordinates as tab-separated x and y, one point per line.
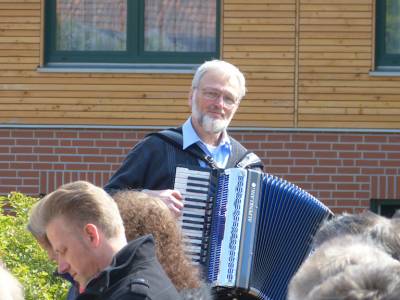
259	232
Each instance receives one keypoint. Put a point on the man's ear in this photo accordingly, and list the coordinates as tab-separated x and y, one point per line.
92	235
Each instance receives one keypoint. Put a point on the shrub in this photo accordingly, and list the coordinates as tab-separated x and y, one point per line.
21	253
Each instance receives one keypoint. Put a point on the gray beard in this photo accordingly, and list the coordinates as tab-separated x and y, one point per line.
213	125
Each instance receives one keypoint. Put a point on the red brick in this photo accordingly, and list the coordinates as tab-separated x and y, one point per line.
351	138
372	171
367	163
374	155
66	143
94	159
324	170
26	142
112	151
5	133
49	158
22	150
76	167
21	166
304	154
48	142
22	133
10	181
65	150
281	153
82	143
324	186
375	139
303	137
70	158
318	178
279	161
298	146
278	137
342	178
7	157
348	187
321	146
367	147
390	163
300	170
28	173
126	144
278	146
343	195
325	154
45	150
329	162
7	142
44	134
343	147
90	135
27	158
100	143
112	135
305	162
344	155
93	151
66	134
327	138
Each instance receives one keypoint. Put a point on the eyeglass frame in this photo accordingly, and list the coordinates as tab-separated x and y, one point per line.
215	94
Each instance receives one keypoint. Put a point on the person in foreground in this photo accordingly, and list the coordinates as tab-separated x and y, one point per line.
10	288
356	257
86	232
215	95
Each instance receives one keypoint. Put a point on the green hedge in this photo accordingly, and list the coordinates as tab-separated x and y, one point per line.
22	254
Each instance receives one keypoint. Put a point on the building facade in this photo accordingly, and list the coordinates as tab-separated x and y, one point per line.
323	79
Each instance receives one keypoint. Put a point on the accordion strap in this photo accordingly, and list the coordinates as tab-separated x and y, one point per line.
246	158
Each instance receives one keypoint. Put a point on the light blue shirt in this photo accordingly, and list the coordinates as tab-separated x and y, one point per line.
220	154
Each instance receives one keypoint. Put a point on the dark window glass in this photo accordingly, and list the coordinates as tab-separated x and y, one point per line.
132	31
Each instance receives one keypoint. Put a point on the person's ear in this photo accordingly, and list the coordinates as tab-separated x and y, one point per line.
92	234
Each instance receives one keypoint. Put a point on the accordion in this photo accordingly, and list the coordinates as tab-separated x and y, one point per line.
249	231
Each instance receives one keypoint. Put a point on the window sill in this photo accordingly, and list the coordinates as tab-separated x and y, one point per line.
386	72
118	68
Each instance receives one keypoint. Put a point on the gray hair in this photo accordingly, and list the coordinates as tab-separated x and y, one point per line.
224	67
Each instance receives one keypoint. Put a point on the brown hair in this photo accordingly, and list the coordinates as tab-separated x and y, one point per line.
143	214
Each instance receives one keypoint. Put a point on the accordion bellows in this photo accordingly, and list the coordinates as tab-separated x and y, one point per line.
249	230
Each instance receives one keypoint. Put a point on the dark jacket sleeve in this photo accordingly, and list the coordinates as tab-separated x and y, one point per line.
143	168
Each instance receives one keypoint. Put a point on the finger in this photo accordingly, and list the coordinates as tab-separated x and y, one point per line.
177	203
175	211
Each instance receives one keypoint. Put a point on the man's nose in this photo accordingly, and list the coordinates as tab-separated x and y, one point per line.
63	266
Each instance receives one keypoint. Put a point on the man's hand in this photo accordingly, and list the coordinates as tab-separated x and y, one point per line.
172	198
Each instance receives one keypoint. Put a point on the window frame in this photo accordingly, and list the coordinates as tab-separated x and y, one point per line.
134	54
383	59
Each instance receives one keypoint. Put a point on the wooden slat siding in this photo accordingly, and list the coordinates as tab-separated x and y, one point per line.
335	54
335	89
259	37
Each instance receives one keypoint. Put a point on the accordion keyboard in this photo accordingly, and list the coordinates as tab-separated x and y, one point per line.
194	186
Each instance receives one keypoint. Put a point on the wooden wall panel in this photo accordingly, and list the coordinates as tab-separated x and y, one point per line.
307	64
335	57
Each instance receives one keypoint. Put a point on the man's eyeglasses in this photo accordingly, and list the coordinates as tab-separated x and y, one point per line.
214	95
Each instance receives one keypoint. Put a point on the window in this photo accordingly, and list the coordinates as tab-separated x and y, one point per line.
387	33
131	31
386	208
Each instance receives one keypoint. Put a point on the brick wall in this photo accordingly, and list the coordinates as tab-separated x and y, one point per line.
344	170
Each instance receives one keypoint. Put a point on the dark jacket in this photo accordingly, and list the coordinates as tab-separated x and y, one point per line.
151	164
134	274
